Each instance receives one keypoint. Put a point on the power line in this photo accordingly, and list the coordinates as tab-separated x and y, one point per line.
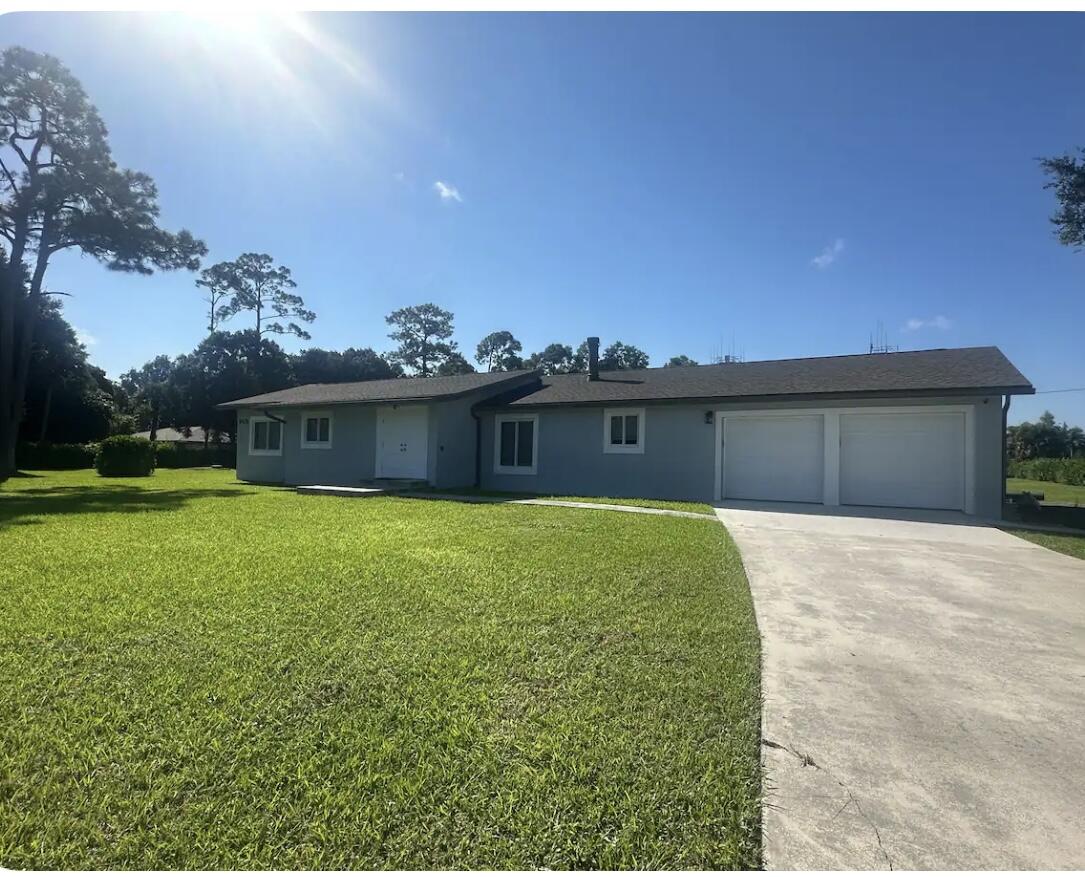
1068	390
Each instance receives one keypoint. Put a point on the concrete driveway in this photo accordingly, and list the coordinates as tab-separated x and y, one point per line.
924	689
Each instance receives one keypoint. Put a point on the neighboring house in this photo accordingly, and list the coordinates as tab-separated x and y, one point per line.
919	429
168	434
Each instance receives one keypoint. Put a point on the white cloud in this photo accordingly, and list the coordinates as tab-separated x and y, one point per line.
399	177
941	323
447	191
829	255
84	337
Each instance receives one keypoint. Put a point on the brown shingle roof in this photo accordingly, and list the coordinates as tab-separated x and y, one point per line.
969	370
387	390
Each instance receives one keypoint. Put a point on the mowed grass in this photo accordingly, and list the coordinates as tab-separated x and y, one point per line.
1065	543
1068	494
203	674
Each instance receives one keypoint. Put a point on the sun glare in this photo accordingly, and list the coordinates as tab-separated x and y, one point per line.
267	56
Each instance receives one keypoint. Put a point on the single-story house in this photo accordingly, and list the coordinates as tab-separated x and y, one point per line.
195	437
917	429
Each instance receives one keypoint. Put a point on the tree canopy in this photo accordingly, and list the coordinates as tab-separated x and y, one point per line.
60	189
1045	438
455	364
619	356
1067	180
258	287
315	365
679	361
67	399
554	359
152	392
217	281
422	332
499	352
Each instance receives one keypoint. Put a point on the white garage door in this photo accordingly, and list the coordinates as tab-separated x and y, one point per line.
902	460
780	458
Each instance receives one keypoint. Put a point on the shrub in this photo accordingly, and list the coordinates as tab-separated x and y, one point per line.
174	455
45	455
1064	471
121	455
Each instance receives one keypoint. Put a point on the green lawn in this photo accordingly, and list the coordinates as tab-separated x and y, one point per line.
1069	494
203	674
675	505
1071	544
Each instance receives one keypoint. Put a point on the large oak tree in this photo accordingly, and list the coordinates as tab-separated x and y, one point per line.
60	189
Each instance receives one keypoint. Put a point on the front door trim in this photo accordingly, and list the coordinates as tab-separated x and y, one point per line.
378	466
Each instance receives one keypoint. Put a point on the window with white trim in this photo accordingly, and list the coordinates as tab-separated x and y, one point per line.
623	431
316	429
265	436
516	444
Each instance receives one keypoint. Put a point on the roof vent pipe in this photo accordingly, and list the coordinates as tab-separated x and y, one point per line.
593	359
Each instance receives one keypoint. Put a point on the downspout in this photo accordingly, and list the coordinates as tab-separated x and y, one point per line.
1005	442
478	447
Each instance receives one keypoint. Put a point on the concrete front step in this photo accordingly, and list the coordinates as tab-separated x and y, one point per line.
371	487
393	484
333	490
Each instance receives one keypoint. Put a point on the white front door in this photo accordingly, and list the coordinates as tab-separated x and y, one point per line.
776	457
903	460
402	441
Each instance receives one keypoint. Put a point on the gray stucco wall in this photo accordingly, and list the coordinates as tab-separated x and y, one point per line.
452	443
679	460
350	459
677	463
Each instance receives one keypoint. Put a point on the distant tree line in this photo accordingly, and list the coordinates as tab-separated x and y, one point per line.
1044	439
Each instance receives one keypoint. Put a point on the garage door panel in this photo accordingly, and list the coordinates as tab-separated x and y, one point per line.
902	460
774	458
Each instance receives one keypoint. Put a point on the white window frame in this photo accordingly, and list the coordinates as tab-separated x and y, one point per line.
533	469
253	451
608	413
318	445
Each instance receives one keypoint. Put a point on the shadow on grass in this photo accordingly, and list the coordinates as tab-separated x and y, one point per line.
30	506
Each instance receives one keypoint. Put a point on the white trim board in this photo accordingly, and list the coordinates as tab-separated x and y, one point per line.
831	421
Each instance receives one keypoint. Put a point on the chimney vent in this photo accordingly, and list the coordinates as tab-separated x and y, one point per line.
593	359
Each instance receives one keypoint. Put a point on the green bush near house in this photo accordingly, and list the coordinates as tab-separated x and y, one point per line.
1062	470
168	455
46	455
174	455
122	456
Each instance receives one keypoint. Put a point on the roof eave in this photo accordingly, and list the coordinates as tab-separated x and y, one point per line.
770	397
253	402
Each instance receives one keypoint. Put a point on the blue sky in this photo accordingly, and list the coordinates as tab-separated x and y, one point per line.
784	183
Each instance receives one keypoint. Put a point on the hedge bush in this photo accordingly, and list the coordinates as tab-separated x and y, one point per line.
1062	471
125	455
174	455
45	455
